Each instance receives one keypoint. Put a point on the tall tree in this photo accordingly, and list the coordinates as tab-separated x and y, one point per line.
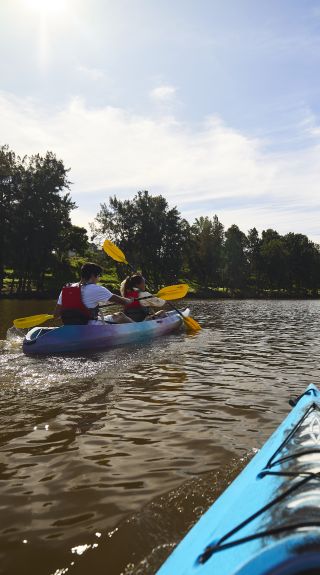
301	258
10	168
205	258
254	257
72	239
236	264
151	234
42	216
274	258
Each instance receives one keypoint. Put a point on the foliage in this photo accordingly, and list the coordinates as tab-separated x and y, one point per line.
236	263
9	180
253	252
160	243
36	233
40	249
152	235
206	251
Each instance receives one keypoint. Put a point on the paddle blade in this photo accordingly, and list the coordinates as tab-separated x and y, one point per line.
114	252
31	321
173	292
191	324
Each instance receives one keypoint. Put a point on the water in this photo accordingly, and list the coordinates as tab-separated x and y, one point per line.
107	460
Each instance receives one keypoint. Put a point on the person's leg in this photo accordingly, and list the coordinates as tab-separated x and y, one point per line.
161	313
121	317
157	315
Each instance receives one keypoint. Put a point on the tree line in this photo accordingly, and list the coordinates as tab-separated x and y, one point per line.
40	249
168	249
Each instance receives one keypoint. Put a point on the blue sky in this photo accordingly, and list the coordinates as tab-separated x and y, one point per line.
214	104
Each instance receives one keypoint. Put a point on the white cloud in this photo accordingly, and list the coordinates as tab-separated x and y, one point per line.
210	168
163	93
94	74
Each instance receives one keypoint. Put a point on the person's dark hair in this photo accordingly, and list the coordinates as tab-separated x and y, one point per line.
89	269
132	282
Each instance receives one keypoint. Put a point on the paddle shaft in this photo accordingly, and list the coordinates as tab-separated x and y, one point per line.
190	322
135	299
170	304
116	253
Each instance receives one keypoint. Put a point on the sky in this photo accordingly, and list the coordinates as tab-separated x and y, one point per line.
215	104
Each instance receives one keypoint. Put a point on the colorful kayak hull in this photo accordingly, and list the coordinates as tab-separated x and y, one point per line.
80	338
268	520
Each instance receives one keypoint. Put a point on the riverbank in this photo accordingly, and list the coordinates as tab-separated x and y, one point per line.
208	294
243	295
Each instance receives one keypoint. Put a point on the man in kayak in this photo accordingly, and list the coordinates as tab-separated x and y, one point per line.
134	287
79	303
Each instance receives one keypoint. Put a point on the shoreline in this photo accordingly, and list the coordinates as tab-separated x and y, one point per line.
203	295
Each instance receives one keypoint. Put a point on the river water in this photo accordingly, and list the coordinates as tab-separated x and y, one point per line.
107	460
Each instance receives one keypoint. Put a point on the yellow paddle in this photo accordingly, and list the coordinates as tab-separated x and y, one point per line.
171	292
31	321
115	253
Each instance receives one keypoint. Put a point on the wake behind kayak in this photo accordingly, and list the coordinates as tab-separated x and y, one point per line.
268	520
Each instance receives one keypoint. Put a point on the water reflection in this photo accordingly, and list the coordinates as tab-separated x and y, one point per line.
135	442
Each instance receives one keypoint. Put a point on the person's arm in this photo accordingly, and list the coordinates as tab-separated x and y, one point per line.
105	297
150	301
119	299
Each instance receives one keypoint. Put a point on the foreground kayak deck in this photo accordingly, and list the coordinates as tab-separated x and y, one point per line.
268	520
75	338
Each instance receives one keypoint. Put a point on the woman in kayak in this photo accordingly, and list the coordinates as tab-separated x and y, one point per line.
139	309
78	303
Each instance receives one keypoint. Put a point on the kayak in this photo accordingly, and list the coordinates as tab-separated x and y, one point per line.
267	522
75	338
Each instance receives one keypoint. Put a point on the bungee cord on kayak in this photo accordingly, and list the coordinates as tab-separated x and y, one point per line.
308	476
285	524
221	546
271	463
293	402
276	531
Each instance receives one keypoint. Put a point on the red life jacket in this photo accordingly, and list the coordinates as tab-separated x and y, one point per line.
73	309
135	304
135	310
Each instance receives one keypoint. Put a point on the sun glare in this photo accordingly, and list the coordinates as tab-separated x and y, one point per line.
47	6
46	15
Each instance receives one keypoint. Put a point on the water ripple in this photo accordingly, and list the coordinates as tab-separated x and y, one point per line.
135	442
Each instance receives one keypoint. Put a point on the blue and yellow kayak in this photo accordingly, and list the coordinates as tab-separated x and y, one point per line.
93	337
267	522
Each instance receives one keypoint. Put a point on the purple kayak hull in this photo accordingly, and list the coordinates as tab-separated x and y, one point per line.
76	338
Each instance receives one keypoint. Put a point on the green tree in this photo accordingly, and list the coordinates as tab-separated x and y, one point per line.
72	239
254	257
151	234
301	261
268	235
10	167
236	264
205	260
274	257
314	277
42	217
